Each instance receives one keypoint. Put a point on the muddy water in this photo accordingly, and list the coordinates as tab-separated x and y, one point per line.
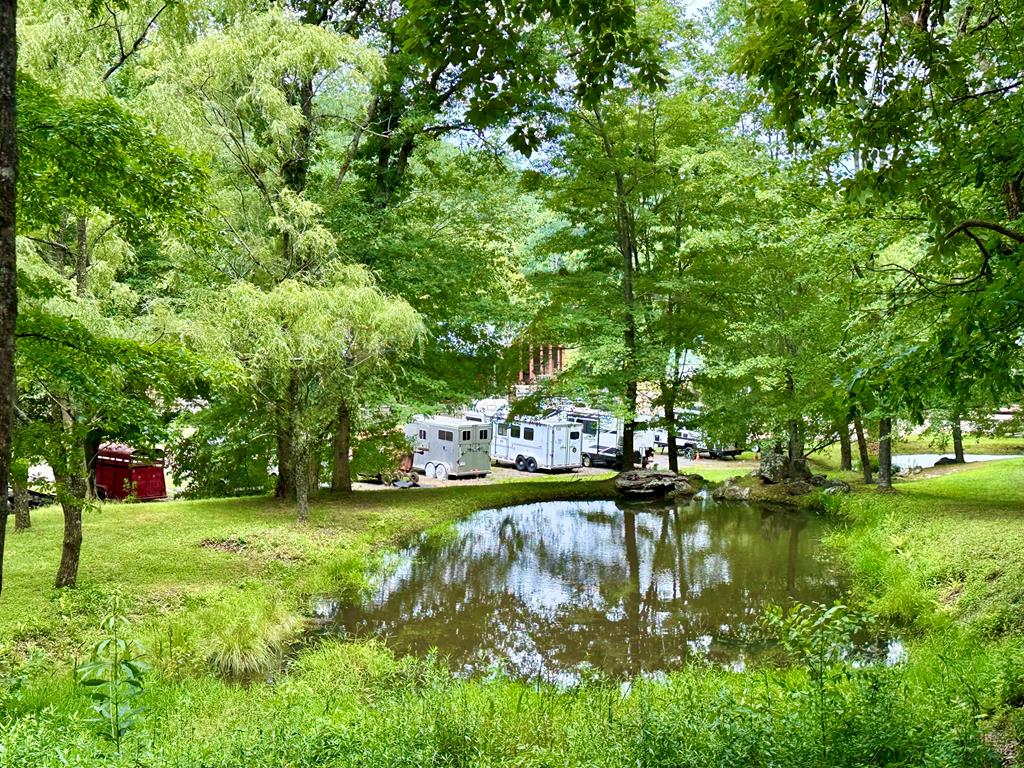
555	588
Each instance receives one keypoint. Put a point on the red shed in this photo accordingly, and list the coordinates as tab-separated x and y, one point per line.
120	474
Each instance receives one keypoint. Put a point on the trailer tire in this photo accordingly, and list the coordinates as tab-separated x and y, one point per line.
440	472
689	452
587	461
531	464
521	463
428	469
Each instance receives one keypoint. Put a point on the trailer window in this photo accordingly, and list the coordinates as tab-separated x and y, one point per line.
589	427
527	433
503	429
445	435
574	435
423	434
467	435
483	434
515	430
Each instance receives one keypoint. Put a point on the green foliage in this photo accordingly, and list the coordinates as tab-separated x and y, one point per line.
93	154
114	676
380	455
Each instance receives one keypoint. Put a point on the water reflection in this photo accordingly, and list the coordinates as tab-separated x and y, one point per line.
552	588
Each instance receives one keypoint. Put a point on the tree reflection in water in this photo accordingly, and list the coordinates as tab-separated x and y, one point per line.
548	588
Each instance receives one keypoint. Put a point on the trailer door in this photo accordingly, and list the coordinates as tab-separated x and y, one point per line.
559	445
501	448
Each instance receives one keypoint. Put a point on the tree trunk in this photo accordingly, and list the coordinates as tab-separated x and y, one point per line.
885	453
301	482
22	516
341	468
92	450
70	474
82	257
8	267
285	442
958	440
627	251
845	449
67	573
862	448
669	398
795	451
629	428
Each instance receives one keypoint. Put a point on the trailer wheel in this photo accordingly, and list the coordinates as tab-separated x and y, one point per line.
689	452
521	463
587	461
440	472
531	464
428	470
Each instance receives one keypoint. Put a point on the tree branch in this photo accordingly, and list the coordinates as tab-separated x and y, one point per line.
139	41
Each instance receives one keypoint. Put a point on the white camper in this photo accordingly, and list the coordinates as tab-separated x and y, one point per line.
530	444
445	447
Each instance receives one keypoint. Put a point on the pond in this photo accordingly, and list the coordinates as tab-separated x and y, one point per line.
911	460
551	589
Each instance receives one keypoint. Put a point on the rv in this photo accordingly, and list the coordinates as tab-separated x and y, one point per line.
444	446
530	444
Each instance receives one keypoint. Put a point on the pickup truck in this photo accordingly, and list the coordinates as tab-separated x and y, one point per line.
690	443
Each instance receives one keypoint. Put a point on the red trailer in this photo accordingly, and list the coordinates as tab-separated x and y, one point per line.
120	474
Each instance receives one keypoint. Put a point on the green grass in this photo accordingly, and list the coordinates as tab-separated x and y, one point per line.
943	548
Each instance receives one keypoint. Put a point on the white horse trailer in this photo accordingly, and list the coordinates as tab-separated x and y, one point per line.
445	447
604	430
530	444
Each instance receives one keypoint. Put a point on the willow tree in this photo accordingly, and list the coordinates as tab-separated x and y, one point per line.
305	348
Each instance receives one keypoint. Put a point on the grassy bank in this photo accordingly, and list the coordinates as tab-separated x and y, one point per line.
942	556
943	549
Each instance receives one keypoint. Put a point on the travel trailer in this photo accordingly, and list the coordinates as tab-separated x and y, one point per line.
445	446
530	444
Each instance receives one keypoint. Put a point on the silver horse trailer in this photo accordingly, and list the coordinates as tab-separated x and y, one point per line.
444	446
530	444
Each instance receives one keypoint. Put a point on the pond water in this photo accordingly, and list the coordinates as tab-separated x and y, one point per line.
550	589
911	460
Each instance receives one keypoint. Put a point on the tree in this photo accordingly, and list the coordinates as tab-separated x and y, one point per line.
8	250
74	381
81	373
885	95
301	350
